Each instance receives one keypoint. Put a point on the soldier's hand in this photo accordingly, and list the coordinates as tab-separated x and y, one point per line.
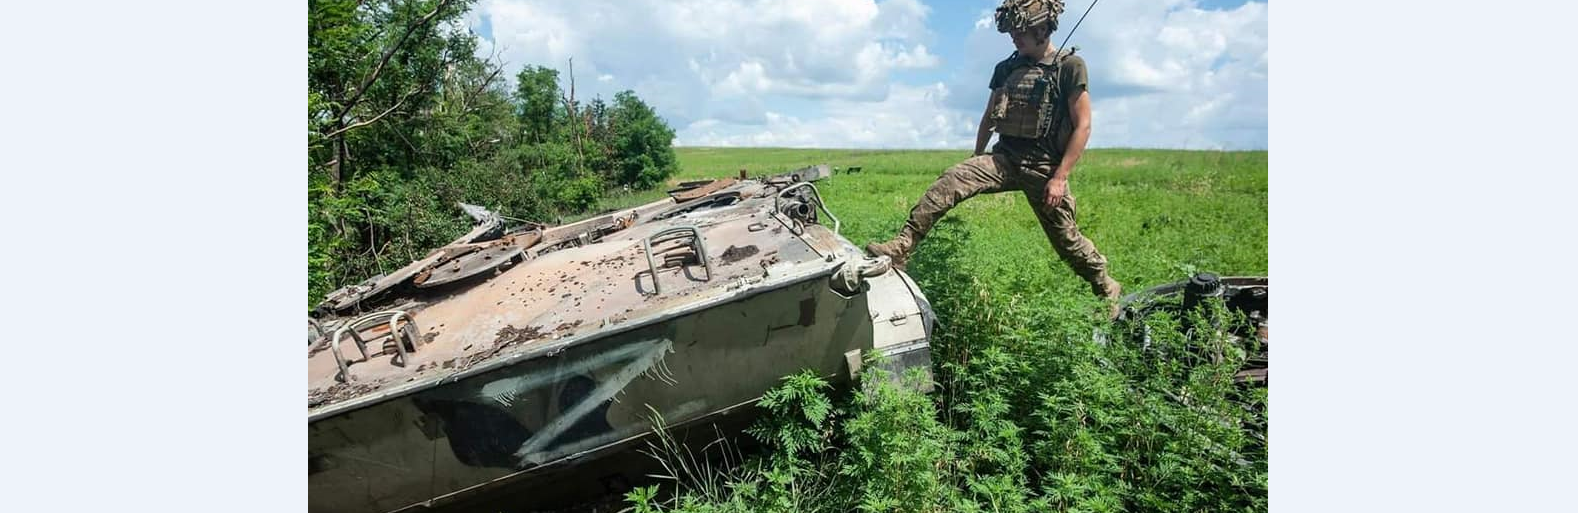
1056	191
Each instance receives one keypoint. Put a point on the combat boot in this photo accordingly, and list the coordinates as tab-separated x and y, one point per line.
897	250
1111	292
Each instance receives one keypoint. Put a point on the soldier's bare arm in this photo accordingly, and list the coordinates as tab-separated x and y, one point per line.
1079	114
983	134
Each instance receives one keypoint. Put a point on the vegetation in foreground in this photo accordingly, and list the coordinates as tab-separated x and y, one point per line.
1032	413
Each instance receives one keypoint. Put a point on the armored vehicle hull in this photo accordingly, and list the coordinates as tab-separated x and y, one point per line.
515	354
1246	295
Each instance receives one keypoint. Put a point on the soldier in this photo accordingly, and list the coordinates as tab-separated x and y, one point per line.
1041	113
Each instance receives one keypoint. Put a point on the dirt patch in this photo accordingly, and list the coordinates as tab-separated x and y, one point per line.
511	335
338	392
507	337
737	253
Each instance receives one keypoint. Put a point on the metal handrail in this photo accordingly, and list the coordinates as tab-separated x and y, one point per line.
316	328
339	359
395	332
819	203
697	244
353	327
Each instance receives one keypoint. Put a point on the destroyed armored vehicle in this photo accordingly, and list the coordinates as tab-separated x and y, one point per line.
1246	295
521	350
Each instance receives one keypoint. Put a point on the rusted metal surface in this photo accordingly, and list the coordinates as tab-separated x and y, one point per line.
691	309
812	173
701	190
469	264
350	299
595	284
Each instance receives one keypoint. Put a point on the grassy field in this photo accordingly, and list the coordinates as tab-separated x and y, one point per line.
1031	413
1157	215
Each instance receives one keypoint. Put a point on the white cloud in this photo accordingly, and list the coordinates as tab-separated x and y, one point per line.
1209	70
917	58
689	58
909	117
842	73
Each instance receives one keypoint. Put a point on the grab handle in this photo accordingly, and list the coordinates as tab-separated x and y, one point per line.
395	334
696	245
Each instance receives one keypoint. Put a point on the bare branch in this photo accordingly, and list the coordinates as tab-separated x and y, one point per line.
572	112
486	82
385	59
375	119
497	63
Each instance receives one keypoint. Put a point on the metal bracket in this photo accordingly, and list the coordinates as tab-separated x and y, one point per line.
696	245
815	194
855	361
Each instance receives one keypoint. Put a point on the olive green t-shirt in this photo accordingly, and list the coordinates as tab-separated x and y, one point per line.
1071	81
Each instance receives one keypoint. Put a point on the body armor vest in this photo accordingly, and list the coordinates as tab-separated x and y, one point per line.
1032	100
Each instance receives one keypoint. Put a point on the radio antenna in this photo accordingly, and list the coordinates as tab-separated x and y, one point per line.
1076	26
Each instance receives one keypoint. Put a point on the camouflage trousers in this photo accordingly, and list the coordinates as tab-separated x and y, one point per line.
989	174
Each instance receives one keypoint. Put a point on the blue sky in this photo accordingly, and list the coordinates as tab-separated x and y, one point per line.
892	73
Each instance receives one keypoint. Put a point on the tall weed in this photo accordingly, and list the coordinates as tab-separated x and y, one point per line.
1040	406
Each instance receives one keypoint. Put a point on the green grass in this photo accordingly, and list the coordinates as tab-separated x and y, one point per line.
1032	413
1157	215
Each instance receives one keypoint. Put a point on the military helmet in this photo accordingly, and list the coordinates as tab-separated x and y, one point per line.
1023	14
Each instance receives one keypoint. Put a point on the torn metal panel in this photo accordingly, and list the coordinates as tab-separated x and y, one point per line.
465	262
479	213
812	173
701	190
350	300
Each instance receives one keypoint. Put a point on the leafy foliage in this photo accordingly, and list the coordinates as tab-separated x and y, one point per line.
639	143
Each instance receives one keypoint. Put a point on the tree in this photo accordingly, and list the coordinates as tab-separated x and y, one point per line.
537	100
413	50
643	145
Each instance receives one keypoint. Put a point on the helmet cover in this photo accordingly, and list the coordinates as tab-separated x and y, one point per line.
1020	15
